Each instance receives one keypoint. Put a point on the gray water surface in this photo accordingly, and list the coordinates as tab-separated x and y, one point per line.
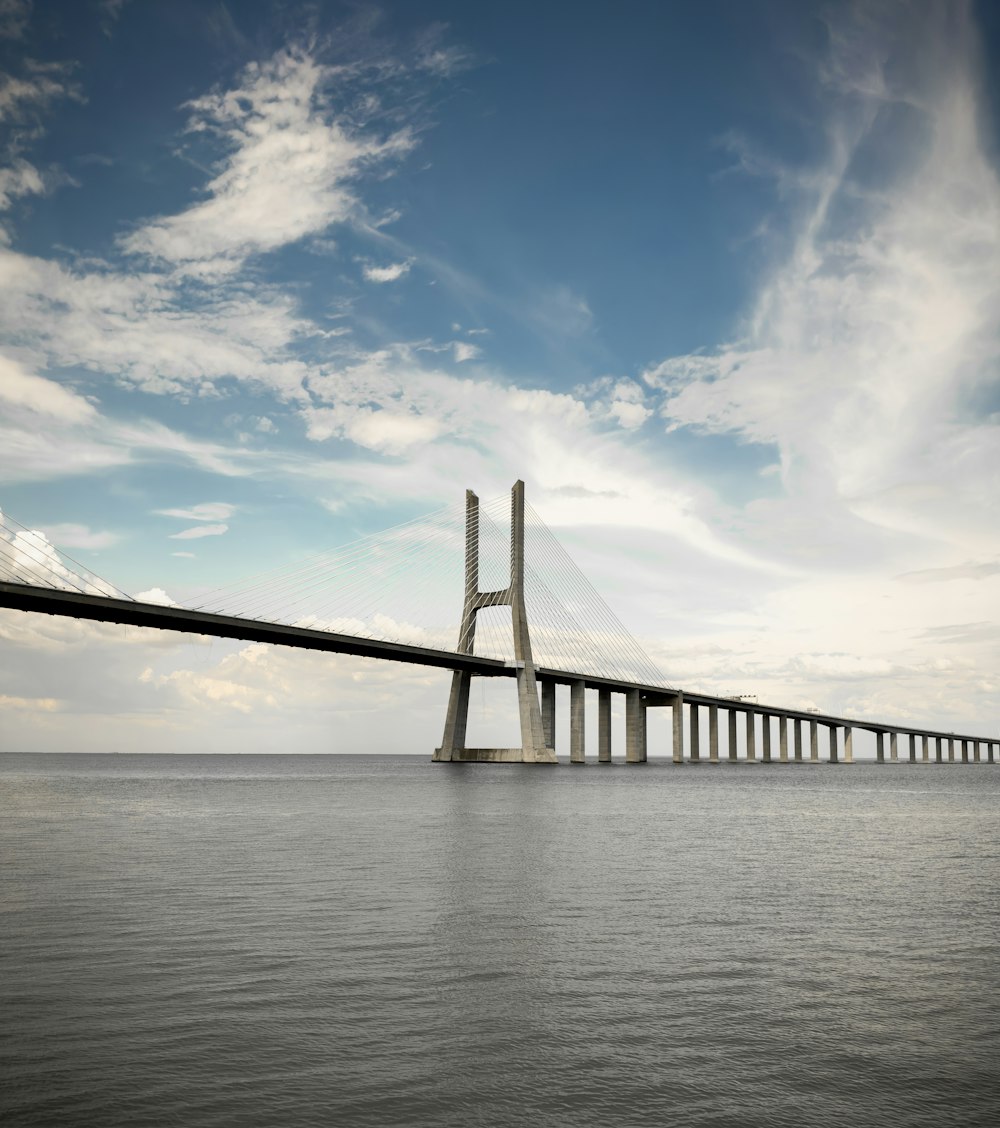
321	940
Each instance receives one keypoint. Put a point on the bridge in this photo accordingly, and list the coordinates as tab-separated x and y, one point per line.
604	658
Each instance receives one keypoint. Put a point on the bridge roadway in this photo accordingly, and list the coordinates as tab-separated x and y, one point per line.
78	605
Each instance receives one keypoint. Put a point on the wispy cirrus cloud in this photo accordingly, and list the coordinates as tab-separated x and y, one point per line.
205	511
871	343
196	532
288	173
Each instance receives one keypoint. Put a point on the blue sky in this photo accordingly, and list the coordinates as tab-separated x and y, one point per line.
719	281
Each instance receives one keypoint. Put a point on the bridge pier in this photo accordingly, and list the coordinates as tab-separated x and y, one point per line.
814	741
604	726
893	753
713	734
765	731
635	728
677	728
848	745
880	747
577	722
833	744
913	748
549	711
798	740
694	733
783	739
751	737
733	748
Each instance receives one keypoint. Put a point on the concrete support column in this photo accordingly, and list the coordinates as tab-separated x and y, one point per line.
549	712
456	719
577	722
880	747
751	737
989	752
765	721
965	751
783	739
925	748
913	747
798	740
604	726
694	733
732	735
951	750
833	744
713	734
635	728
893	753
814	741
938	757
677	728
975	751
848	745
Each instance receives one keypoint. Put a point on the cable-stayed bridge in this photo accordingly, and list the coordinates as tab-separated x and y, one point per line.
484	591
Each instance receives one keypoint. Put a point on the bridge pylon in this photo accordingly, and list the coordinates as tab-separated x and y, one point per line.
533	748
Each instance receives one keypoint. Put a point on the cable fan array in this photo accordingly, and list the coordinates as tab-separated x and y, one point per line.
406	584
27	557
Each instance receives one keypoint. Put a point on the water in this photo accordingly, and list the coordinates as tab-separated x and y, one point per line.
351	941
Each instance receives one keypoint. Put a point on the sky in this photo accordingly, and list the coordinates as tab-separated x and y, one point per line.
720	282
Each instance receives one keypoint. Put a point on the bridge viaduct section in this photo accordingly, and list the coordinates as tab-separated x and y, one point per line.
798	739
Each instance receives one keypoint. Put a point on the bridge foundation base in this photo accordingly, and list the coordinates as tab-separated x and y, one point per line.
494	756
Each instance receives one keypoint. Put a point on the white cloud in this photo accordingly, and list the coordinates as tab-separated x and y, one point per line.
205	511
185	555
390	273
870	345
14	16
71	535
21	388
287	175
155	595
200	531
464	351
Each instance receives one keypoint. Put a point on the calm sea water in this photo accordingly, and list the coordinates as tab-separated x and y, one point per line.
342	941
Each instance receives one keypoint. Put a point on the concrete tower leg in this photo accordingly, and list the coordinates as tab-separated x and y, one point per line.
577	722
989	753
965	751
533	748
925	748
814	741
604	726
938	750
833	744
751	737
765	725
783	739
951	749
848	745
733	749
913	747
880	747
713	734
893	750
798	740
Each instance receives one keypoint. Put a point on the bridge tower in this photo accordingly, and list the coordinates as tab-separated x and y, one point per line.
533	749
